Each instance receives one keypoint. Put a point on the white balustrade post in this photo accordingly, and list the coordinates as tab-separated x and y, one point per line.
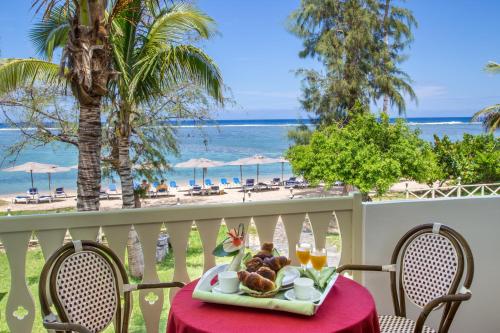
459	187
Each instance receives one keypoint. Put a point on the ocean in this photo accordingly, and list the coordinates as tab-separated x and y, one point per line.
223	140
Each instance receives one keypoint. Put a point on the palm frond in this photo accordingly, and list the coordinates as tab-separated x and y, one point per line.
16	73
492	67
174	25
490	116
51	33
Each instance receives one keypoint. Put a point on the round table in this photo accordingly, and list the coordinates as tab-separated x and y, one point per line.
349	308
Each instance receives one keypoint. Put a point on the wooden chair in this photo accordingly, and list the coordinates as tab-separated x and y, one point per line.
87	283
433	260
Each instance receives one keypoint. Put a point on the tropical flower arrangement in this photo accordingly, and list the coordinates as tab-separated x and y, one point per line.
232	246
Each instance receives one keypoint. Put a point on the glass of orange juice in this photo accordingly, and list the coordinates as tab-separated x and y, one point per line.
318	258
303	252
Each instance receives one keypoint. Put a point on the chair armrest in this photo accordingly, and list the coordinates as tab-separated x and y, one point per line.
160	285
370	268
58	326
132	287
465	296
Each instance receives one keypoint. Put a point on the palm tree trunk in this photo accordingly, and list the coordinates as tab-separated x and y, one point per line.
125	172
134	247
89	147
385	107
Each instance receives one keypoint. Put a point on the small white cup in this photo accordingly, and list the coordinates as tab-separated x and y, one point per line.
229	282
303	288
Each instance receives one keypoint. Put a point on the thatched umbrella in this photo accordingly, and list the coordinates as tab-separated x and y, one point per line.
35	167
253	160
202	163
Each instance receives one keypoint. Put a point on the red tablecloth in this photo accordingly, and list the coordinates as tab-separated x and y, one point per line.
349	308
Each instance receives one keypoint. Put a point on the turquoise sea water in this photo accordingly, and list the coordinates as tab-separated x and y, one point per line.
225	141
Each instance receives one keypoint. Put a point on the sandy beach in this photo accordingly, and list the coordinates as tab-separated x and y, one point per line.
182	197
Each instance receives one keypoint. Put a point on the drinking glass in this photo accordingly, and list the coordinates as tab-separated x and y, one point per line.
303	252
318	259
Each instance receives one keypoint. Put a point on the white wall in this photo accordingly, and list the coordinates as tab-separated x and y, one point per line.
477	219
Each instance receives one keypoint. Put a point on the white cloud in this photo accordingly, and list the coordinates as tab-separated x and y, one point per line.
429	91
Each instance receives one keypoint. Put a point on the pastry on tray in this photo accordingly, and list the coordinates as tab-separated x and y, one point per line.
256	281
261	276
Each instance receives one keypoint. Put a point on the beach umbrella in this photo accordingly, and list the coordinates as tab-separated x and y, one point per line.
253	160
202	163
57	169
35	167
282	160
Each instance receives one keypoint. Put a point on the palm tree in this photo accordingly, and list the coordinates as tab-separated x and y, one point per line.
86	64
490	116
154	55
151	50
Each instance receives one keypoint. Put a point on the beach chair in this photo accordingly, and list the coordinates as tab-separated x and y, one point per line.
192	183
112	190
195	190
103	194
208	182
21	199
262	187
43	198
32	191
236	181
153	189
173	184
214	189
276	182
291	182
59	193
224	182
249	184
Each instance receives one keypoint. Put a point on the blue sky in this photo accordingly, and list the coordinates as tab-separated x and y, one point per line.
257	56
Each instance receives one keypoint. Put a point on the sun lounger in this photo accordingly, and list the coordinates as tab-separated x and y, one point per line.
21	199
294	183
59	193
224	182
249	184
208	182
103	194
32	191
276	182
173	184
112	190
43	198
153	192
214	189
236	181
195	190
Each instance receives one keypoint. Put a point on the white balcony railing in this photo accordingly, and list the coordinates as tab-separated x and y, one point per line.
50	230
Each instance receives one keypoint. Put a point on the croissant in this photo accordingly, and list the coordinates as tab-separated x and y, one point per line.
254	264
276	263
266	251
267	247
255	281
267	273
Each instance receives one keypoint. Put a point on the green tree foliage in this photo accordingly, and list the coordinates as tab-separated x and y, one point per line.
360	44
369	153
475	159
